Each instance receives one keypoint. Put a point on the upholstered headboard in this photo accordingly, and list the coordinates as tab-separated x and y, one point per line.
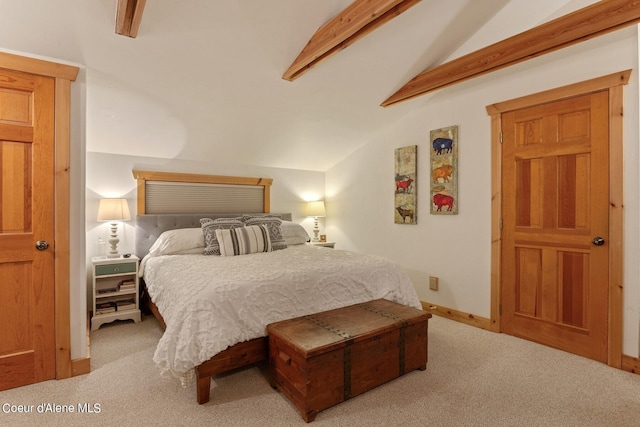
199	195
149	227
173	193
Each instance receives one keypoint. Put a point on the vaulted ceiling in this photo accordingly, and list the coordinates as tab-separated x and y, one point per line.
202	79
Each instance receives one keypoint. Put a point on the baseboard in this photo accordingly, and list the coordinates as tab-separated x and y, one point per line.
459	316
83	365
80	366
630	364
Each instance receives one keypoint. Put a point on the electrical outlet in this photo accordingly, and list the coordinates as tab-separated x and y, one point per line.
433	283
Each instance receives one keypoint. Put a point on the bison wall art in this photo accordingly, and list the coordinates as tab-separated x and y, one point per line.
444	171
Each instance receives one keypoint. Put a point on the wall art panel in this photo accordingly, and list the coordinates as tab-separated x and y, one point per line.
406	186
444	171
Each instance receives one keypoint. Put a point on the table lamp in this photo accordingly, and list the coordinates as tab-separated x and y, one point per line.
315	210
113	210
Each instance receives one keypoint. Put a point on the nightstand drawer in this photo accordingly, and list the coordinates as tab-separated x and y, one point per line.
106	269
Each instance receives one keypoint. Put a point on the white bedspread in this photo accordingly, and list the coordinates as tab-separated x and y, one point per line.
211	302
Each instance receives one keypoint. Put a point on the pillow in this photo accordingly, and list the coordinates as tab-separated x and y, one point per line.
190	251
293	229
295	240
209	227
243	240
247	217
273	225
182	240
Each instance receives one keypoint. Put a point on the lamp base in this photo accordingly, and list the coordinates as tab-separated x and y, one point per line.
316	230
113	241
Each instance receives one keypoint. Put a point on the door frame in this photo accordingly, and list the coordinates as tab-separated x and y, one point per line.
63	75
614	84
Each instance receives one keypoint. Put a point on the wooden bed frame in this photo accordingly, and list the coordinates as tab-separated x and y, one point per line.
239	355
242	354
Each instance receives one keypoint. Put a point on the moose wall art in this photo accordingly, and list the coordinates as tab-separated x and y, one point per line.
444	171
405	185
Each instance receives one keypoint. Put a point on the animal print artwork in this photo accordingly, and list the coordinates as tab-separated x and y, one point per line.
444	171
406	190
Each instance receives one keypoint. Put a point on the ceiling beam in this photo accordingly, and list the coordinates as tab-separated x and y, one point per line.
592	21
129	16
359	19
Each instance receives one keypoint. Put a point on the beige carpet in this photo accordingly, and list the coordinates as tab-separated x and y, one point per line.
473	378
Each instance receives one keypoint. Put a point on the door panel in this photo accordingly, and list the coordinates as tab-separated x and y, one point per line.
555	186
27	336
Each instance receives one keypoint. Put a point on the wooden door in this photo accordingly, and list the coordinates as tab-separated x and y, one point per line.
27	334
555	203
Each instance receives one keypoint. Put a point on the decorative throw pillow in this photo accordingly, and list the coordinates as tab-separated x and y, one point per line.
247	217
243	240
273	224
209	227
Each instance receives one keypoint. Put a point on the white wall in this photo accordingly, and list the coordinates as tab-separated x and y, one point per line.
360	202
77	295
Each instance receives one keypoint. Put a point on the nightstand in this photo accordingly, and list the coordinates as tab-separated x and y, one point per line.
331	245
115	290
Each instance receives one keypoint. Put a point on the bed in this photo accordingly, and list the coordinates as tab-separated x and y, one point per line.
215	308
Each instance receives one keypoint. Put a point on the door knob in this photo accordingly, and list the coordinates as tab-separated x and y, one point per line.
42	245
598	241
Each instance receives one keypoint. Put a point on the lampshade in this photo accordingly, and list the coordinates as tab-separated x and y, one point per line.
113	210
315	209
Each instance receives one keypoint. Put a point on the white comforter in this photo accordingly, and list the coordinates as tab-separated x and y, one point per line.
211	302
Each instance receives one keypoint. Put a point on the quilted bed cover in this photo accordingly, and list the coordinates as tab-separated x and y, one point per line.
212	302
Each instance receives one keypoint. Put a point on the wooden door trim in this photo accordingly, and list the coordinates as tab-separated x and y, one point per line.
63	75
616	225
613	83
38	66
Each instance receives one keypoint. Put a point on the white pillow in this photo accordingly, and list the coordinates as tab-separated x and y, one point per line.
244	240
293	229
180	241
295	240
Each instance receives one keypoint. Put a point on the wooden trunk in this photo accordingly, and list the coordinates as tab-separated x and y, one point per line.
325	358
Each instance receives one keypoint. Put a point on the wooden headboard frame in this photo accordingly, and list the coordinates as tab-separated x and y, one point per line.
143	176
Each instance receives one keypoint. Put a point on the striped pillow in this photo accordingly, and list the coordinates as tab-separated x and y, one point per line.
244	240
209	227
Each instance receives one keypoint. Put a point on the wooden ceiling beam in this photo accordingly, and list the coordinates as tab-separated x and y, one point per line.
592	21
359	19
129	16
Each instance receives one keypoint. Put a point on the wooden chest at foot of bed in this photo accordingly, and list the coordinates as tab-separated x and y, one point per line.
322	359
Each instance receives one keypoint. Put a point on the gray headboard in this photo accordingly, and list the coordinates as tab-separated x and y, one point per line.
149	227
